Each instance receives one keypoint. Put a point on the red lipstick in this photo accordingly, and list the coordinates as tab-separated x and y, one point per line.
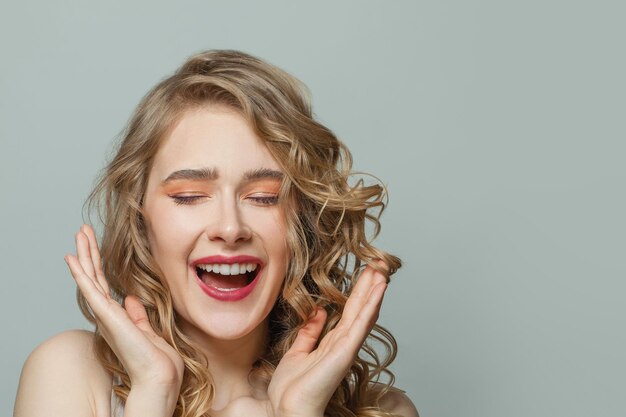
222	259
228	294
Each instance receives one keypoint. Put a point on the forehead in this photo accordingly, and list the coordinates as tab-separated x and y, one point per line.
212	137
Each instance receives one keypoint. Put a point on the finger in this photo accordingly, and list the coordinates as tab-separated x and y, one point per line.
368	279
88	287
95	257
108	311
384	268
84	257
368	315
127	331
309	334
137	313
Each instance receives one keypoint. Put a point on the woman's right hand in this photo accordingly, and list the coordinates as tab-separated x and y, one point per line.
151	363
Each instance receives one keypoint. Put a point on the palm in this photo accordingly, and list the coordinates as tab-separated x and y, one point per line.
147	357
140	349
307	377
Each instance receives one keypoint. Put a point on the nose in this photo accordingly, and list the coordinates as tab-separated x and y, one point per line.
227	223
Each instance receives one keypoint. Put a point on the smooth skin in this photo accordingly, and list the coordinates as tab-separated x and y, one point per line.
62	377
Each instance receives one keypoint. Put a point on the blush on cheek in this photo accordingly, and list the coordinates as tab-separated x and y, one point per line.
170	232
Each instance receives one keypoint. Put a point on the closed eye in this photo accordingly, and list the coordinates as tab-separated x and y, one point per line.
181	200
264	200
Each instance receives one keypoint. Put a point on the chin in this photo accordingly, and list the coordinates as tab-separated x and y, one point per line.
225	325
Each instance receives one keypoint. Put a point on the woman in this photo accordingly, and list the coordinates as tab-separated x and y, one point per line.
233	239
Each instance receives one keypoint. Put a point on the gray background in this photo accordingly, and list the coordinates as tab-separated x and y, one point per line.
497	125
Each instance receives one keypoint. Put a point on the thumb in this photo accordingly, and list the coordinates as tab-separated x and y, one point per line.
137	313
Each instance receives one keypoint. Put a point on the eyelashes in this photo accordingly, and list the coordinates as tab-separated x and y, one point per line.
261	200
184	200
268	200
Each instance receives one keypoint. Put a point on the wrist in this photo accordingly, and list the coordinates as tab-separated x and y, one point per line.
299	413
151	400
302	415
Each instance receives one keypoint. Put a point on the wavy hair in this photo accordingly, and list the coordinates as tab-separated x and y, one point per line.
327	213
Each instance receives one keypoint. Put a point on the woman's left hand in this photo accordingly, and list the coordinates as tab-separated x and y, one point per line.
307	377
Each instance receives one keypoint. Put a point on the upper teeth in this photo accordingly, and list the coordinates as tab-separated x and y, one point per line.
228	269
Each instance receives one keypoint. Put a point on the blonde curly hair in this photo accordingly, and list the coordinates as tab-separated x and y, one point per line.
326	218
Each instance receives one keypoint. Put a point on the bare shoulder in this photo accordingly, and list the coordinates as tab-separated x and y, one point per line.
62	377
397	402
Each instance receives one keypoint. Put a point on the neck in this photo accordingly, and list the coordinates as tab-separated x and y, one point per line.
230	361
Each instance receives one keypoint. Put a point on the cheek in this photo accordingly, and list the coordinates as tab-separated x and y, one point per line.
170	234
278	233
270	226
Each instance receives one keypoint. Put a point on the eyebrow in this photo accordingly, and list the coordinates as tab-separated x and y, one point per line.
209	174
206	174
262	173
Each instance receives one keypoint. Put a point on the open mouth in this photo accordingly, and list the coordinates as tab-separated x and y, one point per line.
227	277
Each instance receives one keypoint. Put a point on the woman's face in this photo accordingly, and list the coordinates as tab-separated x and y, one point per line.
214	224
